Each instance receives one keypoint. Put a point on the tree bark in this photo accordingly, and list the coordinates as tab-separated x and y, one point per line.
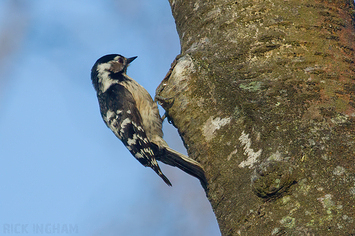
263	95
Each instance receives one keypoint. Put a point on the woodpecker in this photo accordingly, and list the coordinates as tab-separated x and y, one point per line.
132	115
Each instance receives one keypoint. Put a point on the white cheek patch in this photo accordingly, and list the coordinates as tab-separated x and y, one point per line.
103	69
104	78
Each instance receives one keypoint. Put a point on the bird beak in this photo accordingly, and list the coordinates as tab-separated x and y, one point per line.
129	60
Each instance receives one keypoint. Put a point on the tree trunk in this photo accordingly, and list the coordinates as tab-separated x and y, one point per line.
263	95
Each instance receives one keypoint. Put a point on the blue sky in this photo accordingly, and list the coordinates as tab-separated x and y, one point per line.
61	169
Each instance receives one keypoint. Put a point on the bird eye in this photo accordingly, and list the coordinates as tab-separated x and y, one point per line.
120	60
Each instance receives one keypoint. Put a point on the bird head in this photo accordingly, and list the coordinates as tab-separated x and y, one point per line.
109	67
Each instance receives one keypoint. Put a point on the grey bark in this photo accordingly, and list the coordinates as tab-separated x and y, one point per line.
263	97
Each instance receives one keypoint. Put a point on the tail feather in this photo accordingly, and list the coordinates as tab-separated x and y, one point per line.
154	165
160	173
184	163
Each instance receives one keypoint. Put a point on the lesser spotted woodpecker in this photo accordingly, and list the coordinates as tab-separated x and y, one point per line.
130	112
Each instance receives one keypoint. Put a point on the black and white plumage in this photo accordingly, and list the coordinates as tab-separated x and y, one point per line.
130	112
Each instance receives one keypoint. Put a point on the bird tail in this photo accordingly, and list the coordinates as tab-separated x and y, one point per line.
184	163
